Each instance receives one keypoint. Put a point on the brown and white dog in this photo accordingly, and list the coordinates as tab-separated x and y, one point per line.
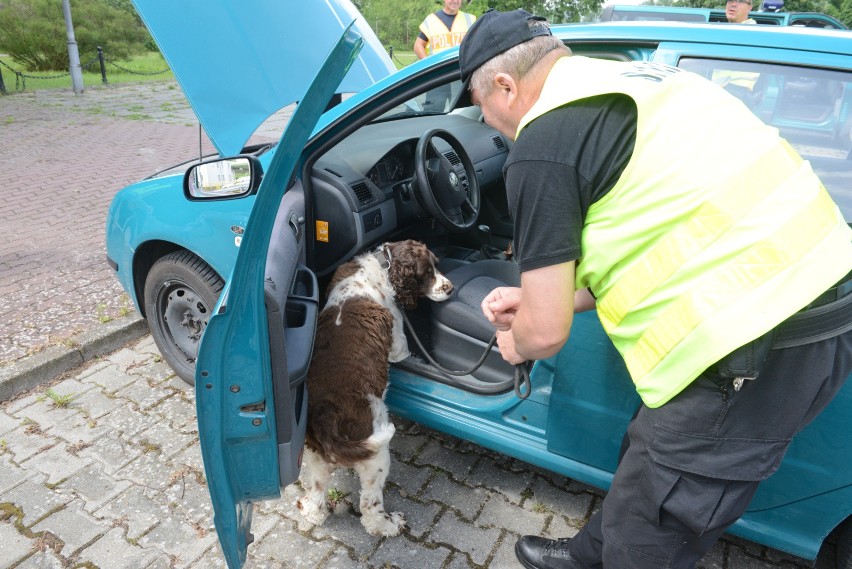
359	331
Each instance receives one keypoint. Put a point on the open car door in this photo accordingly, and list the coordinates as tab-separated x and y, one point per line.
250	394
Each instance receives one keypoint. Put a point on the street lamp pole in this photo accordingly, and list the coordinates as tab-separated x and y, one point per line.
73	55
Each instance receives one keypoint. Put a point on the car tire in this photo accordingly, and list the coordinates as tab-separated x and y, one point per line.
181	291
844	545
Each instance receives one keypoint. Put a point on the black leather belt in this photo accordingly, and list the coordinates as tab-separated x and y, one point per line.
829	315
838	291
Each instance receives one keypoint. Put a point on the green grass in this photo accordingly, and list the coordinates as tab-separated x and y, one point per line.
138	65
334	497
403	58
60	400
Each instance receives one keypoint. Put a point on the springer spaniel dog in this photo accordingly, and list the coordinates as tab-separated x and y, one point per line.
359	331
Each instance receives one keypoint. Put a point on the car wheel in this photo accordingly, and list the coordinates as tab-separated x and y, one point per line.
844	545
180	293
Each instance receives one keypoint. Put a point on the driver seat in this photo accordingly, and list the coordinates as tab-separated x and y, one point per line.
460	331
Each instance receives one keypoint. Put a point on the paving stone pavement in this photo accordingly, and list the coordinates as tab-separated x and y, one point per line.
101	468
99	459
62	158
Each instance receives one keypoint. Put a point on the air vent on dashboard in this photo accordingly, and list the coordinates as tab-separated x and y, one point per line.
362	192
498	142
453	158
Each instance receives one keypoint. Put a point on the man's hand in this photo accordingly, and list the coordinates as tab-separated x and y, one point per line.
506	343
534	325
500	307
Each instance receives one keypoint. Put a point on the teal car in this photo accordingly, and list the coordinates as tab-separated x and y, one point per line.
228	256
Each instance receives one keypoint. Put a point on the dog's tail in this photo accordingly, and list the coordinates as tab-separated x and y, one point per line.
337	448
381	436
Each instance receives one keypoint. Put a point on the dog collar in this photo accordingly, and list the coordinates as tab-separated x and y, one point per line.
383	256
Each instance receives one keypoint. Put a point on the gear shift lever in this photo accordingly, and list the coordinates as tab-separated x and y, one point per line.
487	250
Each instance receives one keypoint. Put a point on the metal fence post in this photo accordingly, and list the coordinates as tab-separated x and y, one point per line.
103	67
2	85
73	54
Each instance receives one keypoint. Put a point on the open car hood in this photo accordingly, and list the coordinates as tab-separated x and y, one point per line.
240	62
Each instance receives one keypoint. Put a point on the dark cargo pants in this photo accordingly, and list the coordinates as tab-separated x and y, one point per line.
689	468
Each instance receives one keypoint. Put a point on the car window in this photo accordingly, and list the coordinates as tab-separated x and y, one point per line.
433	102
653	14
811	108
650	17
815	21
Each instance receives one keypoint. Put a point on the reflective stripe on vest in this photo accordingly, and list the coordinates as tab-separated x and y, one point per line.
699	247
441	38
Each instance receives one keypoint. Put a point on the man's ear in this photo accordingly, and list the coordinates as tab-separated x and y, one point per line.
507	86
504	82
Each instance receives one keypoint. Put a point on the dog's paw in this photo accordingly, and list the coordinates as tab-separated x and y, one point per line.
311	511
384	524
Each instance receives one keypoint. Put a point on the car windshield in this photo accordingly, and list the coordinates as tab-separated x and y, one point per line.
811	108
433	102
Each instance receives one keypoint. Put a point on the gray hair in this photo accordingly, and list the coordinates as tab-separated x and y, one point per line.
516	61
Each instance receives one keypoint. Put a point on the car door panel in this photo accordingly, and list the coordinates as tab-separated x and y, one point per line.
291	297
592	394
242	372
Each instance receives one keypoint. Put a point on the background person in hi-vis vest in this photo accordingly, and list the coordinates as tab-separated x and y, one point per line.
441	30
720	276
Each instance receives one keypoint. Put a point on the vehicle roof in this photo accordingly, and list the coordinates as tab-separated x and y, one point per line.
718	15
805	46
790	38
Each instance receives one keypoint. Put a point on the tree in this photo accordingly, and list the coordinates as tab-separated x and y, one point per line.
844	12
32	32
397	23
556	11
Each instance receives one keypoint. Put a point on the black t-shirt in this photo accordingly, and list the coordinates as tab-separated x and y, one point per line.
562	162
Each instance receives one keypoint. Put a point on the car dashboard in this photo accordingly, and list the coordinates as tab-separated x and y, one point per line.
364	188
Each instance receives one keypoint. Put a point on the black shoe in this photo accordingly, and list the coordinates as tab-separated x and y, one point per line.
539	553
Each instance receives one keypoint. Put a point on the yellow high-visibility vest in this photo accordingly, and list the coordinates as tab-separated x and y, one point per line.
441	38
715	233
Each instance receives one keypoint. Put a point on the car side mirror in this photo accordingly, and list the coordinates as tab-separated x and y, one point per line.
223	179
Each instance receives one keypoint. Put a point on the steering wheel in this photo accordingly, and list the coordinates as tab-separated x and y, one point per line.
447	189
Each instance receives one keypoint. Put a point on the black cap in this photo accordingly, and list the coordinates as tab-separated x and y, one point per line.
493	33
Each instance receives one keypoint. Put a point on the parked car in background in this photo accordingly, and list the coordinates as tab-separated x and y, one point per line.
804	19
379	167
621	13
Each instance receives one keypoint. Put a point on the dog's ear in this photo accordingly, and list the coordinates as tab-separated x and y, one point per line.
403	278
403	275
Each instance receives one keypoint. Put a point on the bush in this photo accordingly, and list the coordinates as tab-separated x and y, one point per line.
33	32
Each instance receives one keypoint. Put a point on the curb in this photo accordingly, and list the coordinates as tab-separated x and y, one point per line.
32	371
